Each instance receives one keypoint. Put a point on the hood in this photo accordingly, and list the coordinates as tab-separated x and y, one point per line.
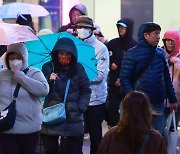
20	49
141	33
80	7
174	35
65	44
130	26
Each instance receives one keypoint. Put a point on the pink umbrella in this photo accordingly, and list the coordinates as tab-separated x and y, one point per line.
14	33
12	10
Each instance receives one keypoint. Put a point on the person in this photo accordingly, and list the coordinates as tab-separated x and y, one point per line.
76	11
171	41
155	79
64	66
45	31
117	47
98	34
26	20
130	133
96	109
23	136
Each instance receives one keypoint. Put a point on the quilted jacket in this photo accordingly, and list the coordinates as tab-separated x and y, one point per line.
155	80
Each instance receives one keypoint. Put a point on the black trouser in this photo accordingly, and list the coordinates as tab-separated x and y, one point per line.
95	116
114	100
68	145
18	143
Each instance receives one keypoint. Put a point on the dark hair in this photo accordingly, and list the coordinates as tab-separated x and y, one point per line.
136	119
150	27
26	20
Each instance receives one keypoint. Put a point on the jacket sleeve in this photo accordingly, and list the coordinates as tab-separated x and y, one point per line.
115	53
168	83
102	65
84	90
127	73
35	84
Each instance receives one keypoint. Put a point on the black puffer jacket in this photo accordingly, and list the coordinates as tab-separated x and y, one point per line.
117	47
78	95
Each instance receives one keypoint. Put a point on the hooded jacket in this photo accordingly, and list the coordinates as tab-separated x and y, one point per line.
155	81
174	35
174	61
28	103
117	47
78	94
81	8
99	84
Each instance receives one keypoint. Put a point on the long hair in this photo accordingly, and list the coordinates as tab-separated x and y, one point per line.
136	119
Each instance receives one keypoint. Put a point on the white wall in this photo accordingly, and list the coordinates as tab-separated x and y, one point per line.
105	13
167	15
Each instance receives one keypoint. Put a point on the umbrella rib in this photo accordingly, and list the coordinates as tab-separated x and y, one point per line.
88	67
44	45
40	61
41	54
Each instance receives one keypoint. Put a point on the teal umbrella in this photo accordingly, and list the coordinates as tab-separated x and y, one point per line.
39	52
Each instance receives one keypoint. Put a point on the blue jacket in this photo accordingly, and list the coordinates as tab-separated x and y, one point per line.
155	80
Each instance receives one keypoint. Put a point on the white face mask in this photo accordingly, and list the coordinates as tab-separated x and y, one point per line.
15	64
84	33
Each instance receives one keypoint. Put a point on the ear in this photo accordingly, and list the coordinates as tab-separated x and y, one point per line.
146	35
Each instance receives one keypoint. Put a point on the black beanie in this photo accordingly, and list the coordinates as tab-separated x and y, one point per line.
24	19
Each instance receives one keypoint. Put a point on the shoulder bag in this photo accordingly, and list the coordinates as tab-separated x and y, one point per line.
141	71
57	113
145	143
8	115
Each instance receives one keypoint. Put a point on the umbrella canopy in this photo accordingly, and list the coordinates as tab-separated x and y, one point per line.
14	33
39	52
12	10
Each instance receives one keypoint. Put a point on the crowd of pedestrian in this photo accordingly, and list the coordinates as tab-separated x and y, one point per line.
135	90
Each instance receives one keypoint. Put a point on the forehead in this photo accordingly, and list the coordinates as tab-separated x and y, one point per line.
14	55
121	27
156	32
76	12
169	39
64	52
